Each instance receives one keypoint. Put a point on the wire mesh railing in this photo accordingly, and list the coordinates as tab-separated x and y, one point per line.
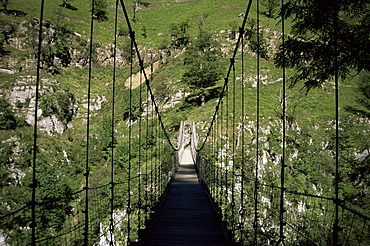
112	212
308	218
61	221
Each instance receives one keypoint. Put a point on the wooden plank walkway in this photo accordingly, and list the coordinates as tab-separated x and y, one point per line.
186	216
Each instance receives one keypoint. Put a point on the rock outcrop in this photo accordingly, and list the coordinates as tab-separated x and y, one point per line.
55	109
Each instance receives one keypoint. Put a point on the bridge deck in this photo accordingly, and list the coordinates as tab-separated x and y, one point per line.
186	217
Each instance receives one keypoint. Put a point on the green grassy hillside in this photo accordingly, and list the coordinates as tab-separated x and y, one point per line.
64	88
153	31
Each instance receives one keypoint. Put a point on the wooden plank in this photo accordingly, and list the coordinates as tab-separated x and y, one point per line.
186	216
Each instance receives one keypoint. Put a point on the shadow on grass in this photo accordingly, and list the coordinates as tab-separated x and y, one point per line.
68	6
16	13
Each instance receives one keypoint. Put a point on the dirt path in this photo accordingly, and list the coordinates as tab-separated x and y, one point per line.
136	80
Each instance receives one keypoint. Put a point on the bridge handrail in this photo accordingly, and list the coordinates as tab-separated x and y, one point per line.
296	192
231	66
147	81
10	213
294	225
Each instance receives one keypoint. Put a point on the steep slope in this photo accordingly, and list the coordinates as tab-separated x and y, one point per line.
62	115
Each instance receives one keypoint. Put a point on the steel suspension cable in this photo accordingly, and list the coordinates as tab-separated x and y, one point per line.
233	148
217	139
35	126
227	75
87	169
336	188
227	145
147	201
129	147
282	171
140	143
157	138
152	165
111	243
255	224
222	152
159	154
242	140
156	153
214	151
158	159
147	81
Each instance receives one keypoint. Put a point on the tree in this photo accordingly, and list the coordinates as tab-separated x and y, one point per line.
6	11
365	91
202	66
256	44
234	29
5	3
363	98
179	34
107	141
59	104
328	36
7	118
59	43
7	30
271	6
56	53
100	10
354	169
135	8
126	49
56	181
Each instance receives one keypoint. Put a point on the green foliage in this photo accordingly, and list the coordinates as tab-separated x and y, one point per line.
203	65
4	4
199	96
179	34
364	88
56	51
256	41
271	7
133	112
321	32
234	29
7	118
353	170
100	10
126	48
59	104
107	141
302	177
7	30
363	109
55	183
61	158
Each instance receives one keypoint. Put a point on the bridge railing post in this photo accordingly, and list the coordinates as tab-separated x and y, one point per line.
175	165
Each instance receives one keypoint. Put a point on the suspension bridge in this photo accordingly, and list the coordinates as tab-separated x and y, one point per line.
187	199
186	216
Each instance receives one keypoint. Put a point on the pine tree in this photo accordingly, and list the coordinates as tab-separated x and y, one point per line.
323	30
100	10
203	65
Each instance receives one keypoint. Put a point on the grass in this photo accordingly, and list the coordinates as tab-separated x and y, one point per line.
156	18
315	109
